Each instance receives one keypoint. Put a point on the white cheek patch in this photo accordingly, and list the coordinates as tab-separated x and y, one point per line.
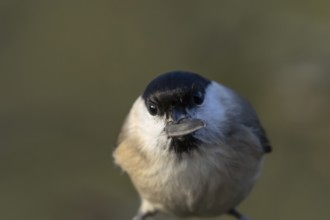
151	128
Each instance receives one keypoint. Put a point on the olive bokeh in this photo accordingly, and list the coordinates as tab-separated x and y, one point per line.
70	71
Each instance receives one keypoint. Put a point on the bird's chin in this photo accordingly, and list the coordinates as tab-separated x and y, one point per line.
184	144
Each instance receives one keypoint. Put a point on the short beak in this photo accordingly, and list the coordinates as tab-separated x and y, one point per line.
183	127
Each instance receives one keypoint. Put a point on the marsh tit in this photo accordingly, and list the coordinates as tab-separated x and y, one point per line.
192	147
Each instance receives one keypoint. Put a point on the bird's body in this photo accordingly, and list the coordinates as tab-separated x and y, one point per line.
205	171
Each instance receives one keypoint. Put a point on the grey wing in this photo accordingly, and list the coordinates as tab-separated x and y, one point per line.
261	134
244	113
251	120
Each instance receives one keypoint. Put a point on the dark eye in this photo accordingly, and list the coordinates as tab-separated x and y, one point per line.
152	108
198	98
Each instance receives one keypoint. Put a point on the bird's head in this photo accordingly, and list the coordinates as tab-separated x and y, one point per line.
179	111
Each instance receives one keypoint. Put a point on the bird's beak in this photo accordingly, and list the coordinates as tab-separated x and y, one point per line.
183	127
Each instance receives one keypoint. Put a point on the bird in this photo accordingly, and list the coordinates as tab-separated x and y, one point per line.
192	147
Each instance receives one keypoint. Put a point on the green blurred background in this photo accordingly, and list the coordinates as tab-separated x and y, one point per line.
70	70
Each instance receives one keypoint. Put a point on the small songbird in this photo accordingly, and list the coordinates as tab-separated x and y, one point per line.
192	147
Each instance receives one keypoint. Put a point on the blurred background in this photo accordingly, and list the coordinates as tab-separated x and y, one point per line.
70	70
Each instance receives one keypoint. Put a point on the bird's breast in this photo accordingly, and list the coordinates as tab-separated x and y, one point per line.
197	184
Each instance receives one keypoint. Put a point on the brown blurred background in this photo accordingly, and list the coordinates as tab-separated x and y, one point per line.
70	70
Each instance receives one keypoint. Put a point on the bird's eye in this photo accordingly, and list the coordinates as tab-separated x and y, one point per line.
152	108
198	98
